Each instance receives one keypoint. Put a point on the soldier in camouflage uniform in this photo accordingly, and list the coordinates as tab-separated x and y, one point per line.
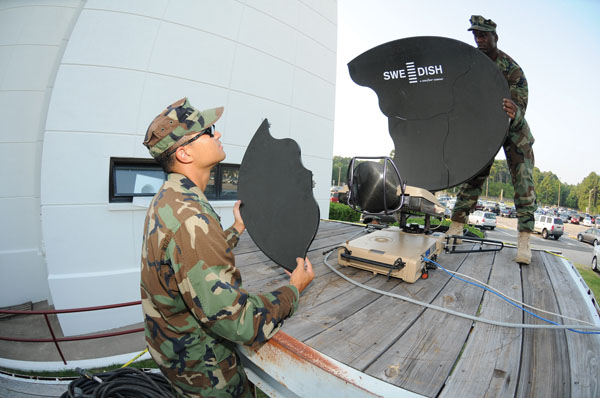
195	308
518	146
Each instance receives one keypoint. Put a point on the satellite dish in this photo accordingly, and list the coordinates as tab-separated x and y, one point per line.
278	206
375	187
443	100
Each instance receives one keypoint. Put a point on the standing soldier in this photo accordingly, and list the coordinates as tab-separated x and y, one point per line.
517	147
195	308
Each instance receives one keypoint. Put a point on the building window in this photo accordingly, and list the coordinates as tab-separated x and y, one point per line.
223	182
131	177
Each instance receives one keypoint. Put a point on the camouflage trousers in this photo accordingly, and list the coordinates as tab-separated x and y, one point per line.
518	148
223	380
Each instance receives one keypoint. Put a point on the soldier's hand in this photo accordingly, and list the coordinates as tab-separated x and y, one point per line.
302	275
238	223
509	107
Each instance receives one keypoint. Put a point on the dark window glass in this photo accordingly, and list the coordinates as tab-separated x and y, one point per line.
229	182
131	177
211	188
223	182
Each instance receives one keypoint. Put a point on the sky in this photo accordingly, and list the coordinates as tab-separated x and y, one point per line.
556	43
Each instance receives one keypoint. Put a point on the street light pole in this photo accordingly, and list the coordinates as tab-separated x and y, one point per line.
339	174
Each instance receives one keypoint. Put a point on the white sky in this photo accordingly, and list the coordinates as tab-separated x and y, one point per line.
556	42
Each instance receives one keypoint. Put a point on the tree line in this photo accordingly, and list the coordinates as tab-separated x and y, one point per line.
549	190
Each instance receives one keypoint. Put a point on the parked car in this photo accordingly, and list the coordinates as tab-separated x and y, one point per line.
574	219
591	235
564	217
491	206
339	195
479	205
334	197
509	212
587	222
483	219
549	226
595	255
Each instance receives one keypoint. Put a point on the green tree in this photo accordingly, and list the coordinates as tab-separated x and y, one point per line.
572	199
587	193
499	172
537	177
547	189
339	170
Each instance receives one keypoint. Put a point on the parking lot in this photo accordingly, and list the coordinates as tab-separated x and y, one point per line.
571	230
567	245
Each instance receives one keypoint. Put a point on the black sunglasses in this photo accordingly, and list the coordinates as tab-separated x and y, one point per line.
210	131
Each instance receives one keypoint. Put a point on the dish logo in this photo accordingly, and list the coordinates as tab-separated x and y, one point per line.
415	74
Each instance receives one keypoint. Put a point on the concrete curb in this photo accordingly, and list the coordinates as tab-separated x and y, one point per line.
59	365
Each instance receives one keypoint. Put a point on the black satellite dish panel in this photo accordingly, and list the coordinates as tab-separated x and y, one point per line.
443	100
374	186
278	206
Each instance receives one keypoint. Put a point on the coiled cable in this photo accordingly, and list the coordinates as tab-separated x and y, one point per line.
119	383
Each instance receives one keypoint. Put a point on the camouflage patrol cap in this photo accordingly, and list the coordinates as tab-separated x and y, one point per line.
178	119
480	23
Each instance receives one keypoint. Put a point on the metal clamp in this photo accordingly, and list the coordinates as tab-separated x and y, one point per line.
451	247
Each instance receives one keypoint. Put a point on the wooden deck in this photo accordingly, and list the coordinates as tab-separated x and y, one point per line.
429	352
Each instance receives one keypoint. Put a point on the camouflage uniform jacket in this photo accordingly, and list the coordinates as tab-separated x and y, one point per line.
519	93
194	305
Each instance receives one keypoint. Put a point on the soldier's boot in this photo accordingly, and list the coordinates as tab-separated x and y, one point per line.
523	249
456	228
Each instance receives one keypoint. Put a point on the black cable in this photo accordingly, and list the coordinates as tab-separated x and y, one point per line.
120	383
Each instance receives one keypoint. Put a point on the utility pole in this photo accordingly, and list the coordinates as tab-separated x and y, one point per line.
487	183
339	174
558	205
592	191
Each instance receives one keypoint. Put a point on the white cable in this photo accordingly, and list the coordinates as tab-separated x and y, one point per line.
456	313
517	301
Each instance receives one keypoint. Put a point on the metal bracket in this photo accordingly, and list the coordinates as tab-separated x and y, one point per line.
451	244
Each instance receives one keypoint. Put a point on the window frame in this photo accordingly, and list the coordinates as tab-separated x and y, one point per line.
115	163
218	169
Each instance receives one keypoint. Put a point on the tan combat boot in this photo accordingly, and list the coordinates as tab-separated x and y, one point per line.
523	249
456	228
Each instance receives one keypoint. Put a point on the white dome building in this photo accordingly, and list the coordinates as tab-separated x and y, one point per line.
79	83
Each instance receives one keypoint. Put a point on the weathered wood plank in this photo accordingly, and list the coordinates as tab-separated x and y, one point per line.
361	338
253	257
326	229
489	364
584	349
413	348
422	358
263	268
544	361
267	276
326	312
257	275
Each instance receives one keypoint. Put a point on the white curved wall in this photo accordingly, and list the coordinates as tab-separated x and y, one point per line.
32	40
124	62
